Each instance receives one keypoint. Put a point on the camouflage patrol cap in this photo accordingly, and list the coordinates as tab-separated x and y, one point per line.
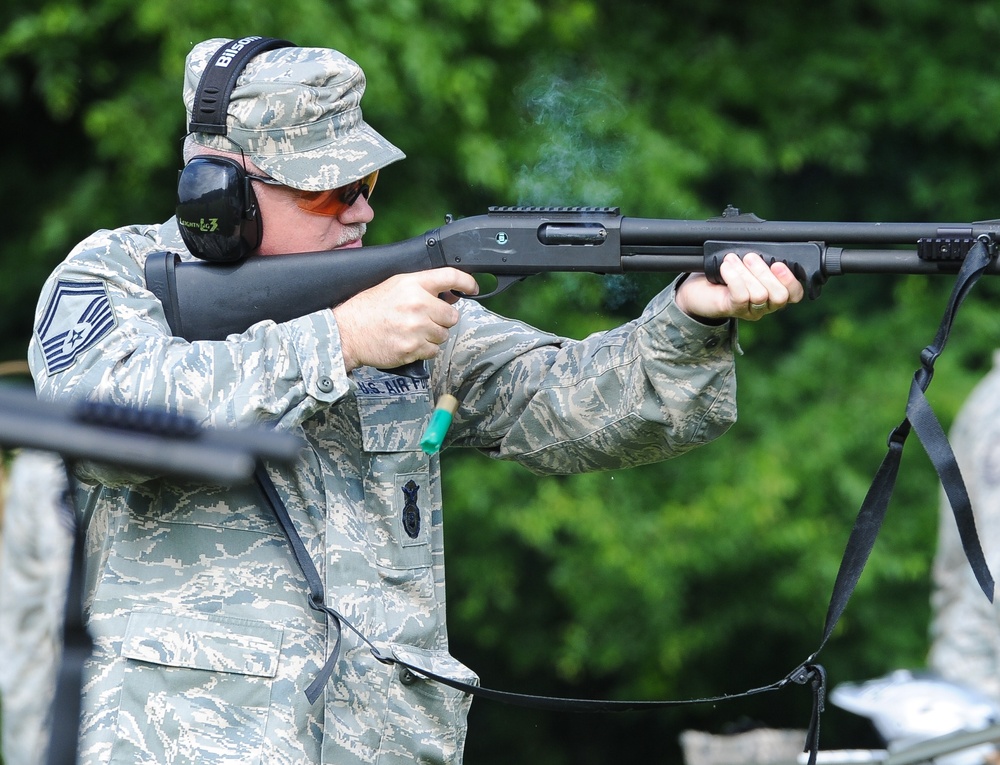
296	114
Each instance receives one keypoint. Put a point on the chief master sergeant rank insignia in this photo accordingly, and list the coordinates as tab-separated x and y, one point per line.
76	316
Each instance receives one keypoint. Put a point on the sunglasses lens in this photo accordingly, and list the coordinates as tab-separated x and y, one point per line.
335	201
368	182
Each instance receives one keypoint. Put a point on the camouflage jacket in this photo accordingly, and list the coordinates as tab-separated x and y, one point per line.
204	639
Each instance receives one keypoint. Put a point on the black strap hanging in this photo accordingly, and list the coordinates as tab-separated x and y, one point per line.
314	584
921	419
77	643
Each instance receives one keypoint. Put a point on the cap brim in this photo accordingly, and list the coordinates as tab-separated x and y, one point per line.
330	165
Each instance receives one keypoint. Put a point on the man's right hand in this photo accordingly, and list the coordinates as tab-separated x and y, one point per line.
404	319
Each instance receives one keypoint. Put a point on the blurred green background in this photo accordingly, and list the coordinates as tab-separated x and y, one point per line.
708	574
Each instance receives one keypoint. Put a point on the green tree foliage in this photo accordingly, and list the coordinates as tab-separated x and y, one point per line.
704	575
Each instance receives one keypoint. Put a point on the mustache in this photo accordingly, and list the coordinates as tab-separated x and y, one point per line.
350	233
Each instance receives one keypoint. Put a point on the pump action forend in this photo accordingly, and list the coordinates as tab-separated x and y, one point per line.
209	301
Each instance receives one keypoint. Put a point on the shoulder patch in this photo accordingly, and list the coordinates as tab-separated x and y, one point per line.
77	315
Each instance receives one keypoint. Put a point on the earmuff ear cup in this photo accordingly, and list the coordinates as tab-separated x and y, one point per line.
217	210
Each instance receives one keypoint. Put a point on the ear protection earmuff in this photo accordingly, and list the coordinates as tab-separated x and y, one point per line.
217	210
216	206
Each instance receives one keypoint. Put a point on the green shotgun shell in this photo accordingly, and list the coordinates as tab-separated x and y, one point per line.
437	428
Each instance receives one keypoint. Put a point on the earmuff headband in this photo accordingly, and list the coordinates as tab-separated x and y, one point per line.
211	100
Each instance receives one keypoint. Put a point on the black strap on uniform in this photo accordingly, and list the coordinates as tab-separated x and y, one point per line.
77	643
919	418
316	589
313	580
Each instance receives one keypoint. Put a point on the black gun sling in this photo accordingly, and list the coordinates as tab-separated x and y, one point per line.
314	583
77	643
920	419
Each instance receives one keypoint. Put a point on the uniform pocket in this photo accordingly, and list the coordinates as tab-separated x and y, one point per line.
197	689
393	423
426	720
398	495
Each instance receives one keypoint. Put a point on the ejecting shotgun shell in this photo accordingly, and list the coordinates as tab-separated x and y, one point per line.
437	428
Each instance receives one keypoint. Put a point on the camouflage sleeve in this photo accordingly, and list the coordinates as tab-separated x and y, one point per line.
99	334
965	626
651	389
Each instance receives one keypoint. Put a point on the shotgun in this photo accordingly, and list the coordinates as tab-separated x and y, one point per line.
210	301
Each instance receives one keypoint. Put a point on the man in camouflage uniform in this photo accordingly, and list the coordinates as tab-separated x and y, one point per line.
965	626
204	638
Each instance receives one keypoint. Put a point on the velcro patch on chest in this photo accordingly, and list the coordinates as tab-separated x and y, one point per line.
411	512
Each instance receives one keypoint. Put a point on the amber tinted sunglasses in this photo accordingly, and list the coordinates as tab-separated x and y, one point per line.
332	201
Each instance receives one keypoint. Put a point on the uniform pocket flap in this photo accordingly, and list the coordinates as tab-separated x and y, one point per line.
209	642
441	663
393	423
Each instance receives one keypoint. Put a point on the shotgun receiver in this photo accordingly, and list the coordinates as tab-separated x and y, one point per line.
209	301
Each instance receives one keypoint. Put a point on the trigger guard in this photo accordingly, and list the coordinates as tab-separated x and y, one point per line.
504	282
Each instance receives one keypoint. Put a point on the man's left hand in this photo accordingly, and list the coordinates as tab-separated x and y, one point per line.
752	289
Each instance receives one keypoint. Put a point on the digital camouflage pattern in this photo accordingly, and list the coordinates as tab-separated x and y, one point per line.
296	114
204	638
35	547
965	626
